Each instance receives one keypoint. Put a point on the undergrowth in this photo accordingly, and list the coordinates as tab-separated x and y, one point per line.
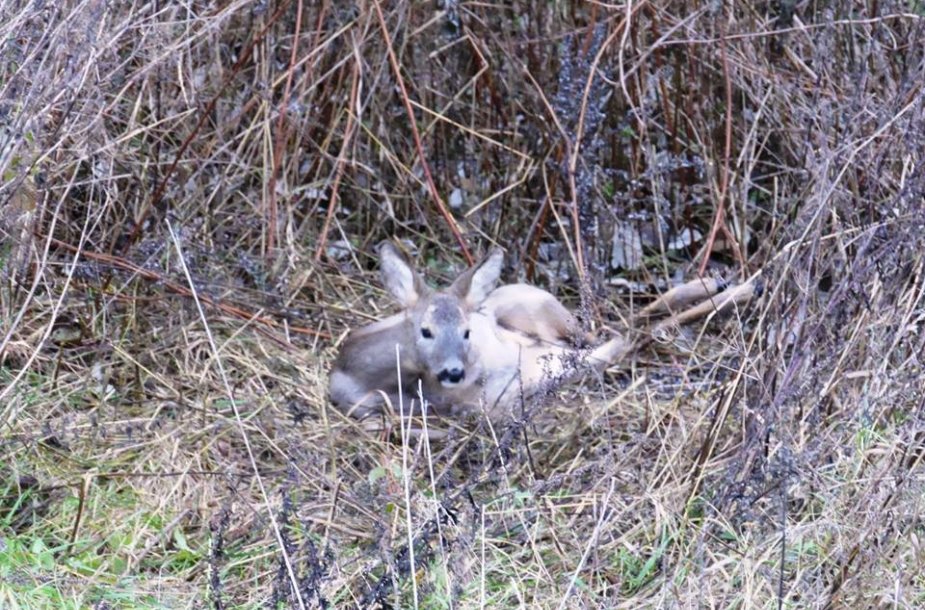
191	193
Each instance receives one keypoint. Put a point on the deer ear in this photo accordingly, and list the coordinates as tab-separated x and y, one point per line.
398	277
474	285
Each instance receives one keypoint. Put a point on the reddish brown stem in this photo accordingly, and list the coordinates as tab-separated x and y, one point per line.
232	310
203	117
431	185
719	219
272	212
341	161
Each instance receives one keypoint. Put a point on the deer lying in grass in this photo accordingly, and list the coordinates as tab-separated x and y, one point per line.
474	346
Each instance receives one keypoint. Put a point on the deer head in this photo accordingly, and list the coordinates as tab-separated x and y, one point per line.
439	336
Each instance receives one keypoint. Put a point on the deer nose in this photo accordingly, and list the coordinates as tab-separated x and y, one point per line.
453	375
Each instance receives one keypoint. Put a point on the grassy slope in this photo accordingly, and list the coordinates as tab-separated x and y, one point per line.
175	271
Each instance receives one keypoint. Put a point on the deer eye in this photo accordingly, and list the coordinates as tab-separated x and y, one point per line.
466	335
425	332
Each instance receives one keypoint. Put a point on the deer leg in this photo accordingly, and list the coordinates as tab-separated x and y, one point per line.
685	295
724	301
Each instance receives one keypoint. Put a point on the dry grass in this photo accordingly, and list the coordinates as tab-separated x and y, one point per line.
190	194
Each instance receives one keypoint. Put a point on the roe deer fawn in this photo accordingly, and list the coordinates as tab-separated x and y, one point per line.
471	345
